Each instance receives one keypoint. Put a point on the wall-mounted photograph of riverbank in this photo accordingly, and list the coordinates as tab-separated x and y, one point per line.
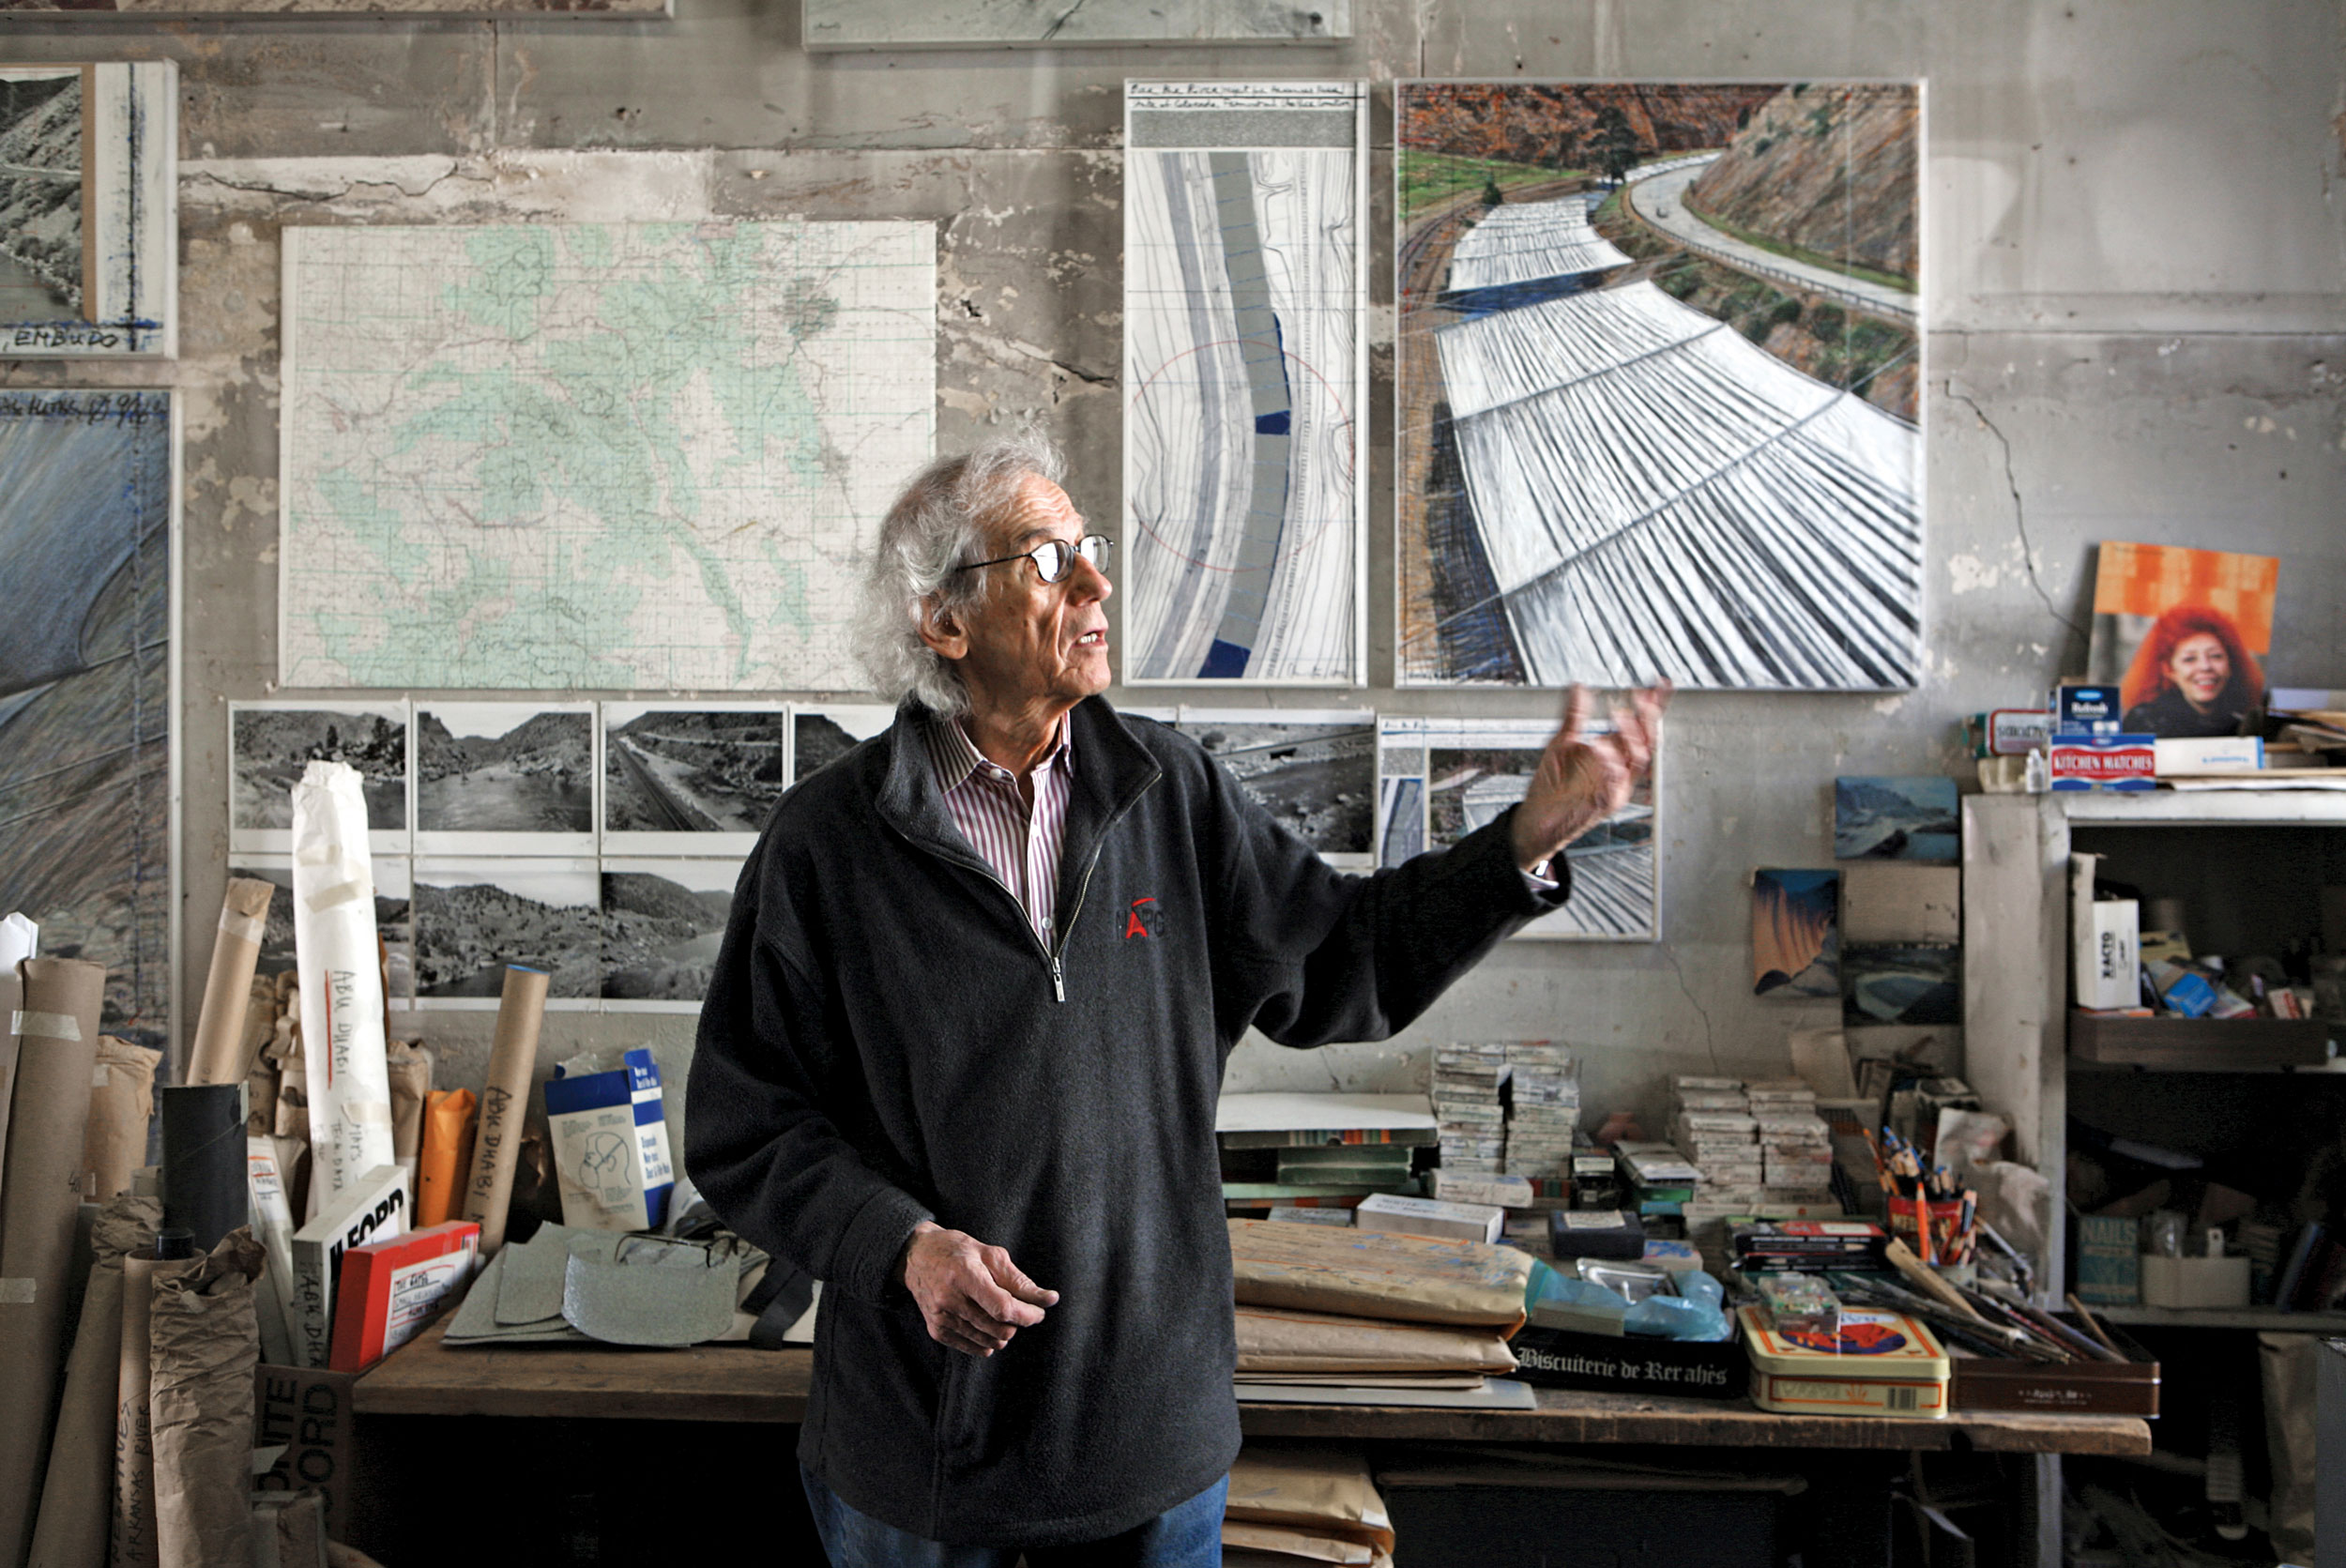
692	779
42	241
1659	378
501	777
269	745
662	922
474	917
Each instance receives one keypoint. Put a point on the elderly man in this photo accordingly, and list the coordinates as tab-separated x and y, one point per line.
961	1049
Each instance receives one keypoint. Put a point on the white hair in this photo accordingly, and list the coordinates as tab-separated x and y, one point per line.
936	525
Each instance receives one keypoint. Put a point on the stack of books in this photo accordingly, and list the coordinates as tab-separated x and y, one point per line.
1468	1109
1711	1122
1318	1150
1810	1246
1543	1109
1796	1144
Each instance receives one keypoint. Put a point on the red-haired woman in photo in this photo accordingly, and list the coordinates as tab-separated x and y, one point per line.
2191	676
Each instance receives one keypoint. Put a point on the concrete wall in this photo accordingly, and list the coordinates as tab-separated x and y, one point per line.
2133	250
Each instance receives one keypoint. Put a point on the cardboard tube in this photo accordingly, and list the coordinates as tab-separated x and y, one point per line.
218	1054
449	1121
504	1103
342	984
57	1052
121	1103
11	1003
409	1066
204	1186
77	1495
132	1536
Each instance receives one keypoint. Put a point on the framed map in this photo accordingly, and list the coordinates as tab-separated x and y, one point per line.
1245	378
1659	383
619	456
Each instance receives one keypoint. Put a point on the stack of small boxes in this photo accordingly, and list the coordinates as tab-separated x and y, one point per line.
1467	1109
1796	1144
1543	1084
1711	1122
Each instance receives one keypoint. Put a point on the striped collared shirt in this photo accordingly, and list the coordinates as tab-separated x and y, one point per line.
1022	846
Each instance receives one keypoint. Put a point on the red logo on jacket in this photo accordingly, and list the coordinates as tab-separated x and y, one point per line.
1141	919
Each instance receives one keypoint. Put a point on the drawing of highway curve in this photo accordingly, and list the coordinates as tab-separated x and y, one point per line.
1658	375
675	770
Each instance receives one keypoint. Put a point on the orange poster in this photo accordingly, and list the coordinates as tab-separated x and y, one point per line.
2182	633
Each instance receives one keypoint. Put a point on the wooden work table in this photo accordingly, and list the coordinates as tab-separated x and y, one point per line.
730	1383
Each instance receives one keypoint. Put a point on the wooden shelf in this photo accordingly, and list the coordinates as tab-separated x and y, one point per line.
2198	1045
2224	1317
2193	808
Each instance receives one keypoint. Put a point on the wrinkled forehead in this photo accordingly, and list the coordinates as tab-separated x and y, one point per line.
1039	510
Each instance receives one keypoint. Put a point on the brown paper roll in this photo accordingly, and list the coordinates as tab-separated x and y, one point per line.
218	1054
408	1068
57	1050
11	998
134	1532
504	1103
77	1494
203	1343
121	1102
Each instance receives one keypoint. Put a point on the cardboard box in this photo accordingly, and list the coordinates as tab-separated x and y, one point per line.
2122	762
375	1210
391	1289
2109	1261
611	1146
307	1412
2105	946
1425	1216
2217	753
2194	1281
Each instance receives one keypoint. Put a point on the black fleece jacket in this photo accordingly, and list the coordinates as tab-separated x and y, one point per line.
885	1041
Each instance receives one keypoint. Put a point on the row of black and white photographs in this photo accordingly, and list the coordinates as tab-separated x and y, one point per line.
1438	780
525	778
616	935
690	779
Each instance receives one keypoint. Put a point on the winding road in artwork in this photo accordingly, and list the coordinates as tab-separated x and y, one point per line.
1660	200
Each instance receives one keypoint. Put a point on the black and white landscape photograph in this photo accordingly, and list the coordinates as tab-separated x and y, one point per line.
1316	773
474	917
394	918
824	734
662	922
498	778
42	159
271	743
692	781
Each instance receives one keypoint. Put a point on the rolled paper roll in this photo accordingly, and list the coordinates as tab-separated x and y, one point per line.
504	1103
205	1181
77	1495
132	1535
342	984
449	1124
220	1053
56	1033
121	1103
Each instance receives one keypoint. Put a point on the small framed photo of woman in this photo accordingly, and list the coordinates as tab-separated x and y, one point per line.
2182	634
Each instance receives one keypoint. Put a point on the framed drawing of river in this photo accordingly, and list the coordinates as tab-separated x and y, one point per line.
1658	384
89	255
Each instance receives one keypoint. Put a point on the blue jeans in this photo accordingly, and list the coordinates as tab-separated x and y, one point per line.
1187	1535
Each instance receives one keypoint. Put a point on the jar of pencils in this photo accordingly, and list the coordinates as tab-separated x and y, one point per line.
1947	1247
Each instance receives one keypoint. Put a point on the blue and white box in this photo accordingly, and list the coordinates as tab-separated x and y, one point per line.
610	1138
2086	711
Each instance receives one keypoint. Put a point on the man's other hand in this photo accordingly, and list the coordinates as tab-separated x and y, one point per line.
1581	781
972	1297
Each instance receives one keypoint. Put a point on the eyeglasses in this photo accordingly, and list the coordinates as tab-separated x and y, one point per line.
1053	558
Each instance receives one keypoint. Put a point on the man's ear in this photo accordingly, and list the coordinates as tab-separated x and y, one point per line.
941	630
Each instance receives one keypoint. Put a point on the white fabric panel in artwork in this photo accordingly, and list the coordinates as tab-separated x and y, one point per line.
1676	501
1517	243
1244	382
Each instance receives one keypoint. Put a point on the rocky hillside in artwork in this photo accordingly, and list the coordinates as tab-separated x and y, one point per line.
40	218
1827	168
559	742
1604	129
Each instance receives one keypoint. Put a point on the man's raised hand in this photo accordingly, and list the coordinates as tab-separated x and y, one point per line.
972	1297
1583	780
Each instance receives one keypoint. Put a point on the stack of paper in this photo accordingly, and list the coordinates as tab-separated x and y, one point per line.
1295	1505
1473	1122
1353	1316
1796	1144
1711	1122
1543	1091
